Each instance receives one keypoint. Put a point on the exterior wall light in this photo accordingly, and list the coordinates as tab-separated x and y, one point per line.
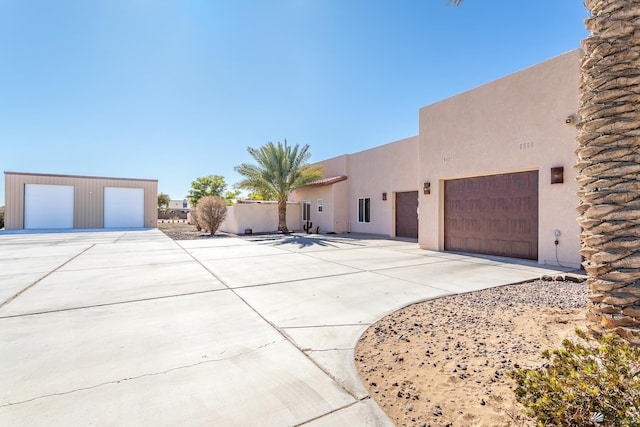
427	188
384	196
557	175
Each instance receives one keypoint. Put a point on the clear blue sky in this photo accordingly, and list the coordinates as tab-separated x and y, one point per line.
174	90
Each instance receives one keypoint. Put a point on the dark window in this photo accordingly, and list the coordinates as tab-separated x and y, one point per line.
364	210
306	210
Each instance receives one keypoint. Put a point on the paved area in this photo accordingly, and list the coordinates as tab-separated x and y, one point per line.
131	328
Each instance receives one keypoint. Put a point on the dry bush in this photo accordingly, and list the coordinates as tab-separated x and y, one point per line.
210	213
192	218
584	384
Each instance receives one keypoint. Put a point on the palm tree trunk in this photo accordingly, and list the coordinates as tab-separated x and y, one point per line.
609	166
282	216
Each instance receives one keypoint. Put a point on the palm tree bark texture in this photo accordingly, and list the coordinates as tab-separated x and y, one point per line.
608	165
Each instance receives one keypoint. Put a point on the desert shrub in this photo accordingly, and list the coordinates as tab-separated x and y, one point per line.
584	384
210	213
192	218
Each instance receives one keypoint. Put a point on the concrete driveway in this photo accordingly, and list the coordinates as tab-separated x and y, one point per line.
132	328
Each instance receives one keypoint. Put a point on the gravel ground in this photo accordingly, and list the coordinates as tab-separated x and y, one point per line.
443	362
179	230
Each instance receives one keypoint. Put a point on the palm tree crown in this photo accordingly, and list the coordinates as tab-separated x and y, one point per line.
279	169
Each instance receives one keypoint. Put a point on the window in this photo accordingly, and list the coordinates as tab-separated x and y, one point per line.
320	204
364	210
306	210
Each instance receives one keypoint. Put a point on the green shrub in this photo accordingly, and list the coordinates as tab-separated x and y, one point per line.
583	384
2	218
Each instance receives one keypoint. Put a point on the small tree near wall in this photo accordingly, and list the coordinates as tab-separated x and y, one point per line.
210	213
212	185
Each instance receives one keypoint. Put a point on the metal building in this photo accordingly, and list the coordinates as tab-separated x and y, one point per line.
45	201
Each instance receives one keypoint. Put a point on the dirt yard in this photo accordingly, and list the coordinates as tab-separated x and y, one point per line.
181	230
444	362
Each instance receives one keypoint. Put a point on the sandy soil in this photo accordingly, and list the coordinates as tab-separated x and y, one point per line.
443	362
180	230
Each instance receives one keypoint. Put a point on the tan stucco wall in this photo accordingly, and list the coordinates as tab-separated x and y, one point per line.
88	209
334	216
259	217
513	124
335	166
388	168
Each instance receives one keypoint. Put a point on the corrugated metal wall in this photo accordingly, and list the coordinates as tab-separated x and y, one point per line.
88	197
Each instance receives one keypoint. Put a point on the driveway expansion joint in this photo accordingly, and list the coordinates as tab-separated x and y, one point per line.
327	325
279	330
333	411
108	304
45	276
152	374
321	385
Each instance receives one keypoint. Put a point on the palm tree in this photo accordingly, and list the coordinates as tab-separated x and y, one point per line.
280	169
608	165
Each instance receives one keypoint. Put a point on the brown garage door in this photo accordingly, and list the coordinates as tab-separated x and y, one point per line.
407	214
494	215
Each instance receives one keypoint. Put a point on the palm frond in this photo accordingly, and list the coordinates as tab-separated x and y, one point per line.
280	168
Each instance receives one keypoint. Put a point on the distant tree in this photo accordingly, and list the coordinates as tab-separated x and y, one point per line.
280	169
264	194
210	213
254	196
163	202
211	185
231	196
1	217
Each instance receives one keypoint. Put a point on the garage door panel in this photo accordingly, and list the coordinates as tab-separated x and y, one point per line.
48	206
123	207
494	215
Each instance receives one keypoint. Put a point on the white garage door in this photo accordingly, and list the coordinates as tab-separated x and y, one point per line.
48	206
123	207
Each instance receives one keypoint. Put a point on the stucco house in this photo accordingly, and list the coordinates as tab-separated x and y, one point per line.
182	206
490	172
